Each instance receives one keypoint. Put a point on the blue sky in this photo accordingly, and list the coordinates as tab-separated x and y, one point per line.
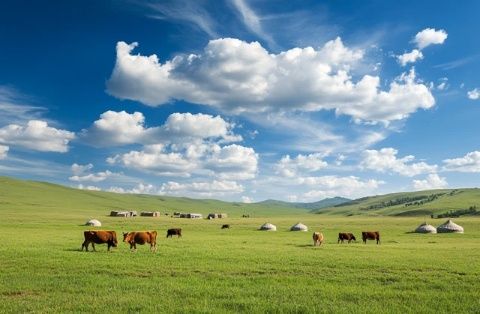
239	99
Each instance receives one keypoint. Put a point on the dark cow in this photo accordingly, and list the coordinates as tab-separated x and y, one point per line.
99	237
226	227
174	231
342	236
371	235
141	237
317	238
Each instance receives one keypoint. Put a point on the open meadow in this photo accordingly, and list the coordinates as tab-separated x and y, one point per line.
236	270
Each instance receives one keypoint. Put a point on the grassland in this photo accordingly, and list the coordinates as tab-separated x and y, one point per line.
211	270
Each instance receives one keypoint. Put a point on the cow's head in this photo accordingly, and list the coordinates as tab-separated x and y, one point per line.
125	237
113	240
353	238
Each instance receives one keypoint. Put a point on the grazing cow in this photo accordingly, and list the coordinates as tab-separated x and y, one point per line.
371	235
317	238
226	227
174	231
99	237
141	237
346	236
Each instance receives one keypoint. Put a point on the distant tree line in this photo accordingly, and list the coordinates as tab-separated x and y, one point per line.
472	210
406	200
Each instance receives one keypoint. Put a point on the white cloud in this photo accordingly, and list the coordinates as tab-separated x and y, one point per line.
88	187
289	167
233	162
3	151
203	189
36	135
247	200
433	181
474	94
386	160
16	107
122	128
81	173
236	76
468	163
410	57
330	186
430	36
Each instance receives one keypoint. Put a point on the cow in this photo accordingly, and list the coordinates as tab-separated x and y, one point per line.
174	231
99	237
371	235
317	238
226	227
346	236
141	237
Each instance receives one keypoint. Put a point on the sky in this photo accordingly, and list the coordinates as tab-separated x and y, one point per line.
241	100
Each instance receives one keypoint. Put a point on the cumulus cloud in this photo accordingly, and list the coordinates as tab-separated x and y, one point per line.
81	173
433	181
430	36
236	76
88	187
203	189
233	162
122	128
474	94
410	57
3	151
468	163
289	167
36	135
247	200
385	160
330	186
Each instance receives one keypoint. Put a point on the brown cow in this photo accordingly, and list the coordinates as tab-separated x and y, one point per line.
346	236
174	231
141	237
317	238
99	237
371	235
226	227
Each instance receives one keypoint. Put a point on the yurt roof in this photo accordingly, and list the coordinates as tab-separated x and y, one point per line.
450	226
268	226
299	227
93	222
426	228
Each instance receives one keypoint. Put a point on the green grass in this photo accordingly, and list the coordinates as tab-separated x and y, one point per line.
210	270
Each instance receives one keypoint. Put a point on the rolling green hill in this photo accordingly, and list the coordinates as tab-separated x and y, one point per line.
31	196
421	203
333	201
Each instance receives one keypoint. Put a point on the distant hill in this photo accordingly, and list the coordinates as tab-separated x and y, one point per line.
39	197
421	203
310	206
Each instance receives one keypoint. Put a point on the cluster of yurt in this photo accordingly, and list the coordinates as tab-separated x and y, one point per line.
271	227
448	227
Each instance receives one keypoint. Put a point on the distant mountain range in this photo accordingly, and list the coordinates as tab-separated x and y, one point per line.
328	202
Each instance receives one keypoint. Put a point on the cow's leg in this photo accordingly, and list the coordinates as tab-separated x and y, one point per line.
93	246
83	245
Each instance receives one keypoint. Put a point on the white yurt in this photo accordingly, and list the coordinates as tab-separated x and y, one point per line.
426	228
93	223
449	226
268	227
299	227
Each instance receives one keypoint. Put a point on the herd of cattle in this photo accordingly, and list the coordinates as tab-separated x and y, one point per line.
150	237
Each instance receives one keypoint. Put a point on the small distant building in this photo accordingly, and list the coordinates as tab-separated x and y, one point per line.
449	226
93	223
150	214
189	215
124	213
426	228
268	227
216	215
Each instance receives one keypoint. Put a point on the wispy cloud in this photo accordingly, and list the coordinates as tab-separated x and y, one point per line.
253	21
456	63
190	12
16	107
